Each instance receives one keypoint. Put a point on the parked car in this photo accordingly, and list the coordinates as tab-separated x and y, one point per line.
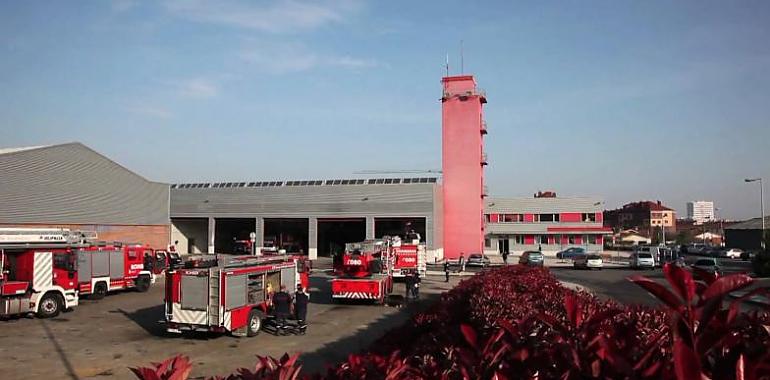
478	260
532	258
734	253
748	255
570	252
707	264
588	262
642	260
695	249
713	252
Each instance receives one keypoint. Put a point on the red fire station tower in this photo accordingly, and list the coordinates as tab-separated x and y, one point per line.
463	130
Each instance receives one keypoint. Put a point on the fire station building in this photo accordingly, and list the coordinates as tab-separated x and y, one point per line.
73	186
315	217
549	223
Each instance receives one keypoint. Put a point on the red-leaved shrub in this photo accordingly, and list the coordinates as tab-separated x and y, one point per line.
521	323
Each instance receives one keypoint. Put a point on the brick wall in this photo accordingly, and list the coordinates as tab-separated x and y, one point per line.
156	236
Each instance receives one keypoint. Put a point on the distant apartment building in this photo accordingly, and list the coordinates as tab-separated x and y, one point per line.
647	217
700	211
543	222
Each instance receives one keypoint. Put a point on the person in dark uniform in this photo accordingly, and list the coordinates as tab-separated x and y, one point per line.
505	257
301	300
446	270
281	306
408	284
416	286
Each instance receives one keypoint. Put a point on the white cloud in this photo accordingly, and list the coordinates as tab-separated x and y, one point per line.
123	5
198	88
152	111
280	58
280	16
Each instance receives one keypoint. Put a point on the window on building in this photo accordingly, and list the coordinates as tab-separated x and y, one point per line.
487	218
536	218
548	218
557	239
511	218
543	239
589	217
571	239
518	239
488	243
591	239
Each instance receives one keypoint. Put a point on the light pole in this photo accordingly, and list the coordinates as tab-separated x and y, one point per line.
762	206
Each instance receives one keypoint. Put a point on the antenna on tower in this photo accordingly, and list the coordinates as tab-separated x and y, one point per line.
447	64
462	59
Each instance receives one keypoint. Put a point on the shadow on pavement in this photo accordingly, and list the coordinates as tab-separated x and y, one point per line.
150	319
337	351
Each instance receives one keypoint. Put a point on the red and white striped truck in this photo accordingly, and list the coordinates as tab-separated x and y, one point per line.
225	293
46	271
365	272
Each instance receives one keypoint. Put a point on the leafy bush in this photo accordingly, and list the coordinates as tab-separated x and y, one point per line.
520	323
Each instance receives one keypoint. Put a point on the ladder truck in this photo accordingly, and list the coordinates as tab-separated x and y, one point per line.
226	293
365	272
46	271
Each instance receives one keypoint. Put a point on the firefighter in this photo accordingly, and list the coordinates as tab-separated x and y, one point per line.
301	300
408	285
416	286
446	270
282	307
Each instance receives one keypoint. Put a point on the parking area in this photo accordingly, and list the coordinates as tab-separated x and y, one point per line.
101	339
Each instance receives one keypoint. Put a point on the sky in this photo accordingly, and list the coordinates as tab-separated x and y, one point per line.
621	100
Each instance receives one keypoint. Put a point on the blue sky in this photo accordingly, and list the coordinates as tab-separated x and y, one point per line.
624	100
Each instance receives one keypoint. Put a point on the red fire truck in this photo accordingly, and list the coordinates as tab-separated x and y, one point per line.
408	258
225	293
365	272
45	271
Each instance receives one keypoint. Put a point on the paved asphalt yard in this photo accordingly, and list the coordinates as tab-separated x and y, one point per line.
101	339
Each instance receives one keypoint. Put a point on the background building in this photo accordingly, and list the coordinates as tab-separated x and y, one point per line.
73	186
314	217
746	235
515	225
646	217
700	211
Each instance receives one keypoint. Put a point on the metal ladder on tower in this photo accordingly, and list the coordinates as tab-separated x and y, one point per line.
214	297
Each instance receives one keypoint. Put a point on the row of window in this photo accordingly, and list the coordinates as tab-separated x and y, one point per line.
556	239
536	218
373	181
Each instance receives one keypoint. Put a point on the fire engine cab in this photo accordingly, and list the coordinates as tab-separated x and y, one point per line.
365	272
407	257
45	271
225	293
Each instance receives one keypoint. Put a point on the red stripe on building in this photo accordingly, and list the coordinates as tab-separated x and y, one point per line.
570	217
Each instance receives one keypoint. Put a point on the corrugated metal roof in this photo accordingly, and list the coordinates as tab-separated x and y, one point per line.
20	149
73	184
542	205
751	224
382	200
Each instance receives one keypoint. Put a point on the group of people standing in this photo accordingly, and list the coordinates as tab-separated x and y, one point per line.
460	262
285	306
412	284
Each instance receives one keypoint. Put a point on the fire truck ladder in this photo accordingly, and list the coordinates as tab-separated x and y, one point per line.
214	297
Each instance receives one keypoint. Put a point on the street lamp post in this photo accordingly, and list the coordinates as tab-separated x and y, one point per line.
762	207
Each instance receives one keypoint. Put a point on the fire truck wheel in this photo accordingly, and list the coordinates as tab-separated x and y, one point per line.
50	305
142	284
100	291
255	323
